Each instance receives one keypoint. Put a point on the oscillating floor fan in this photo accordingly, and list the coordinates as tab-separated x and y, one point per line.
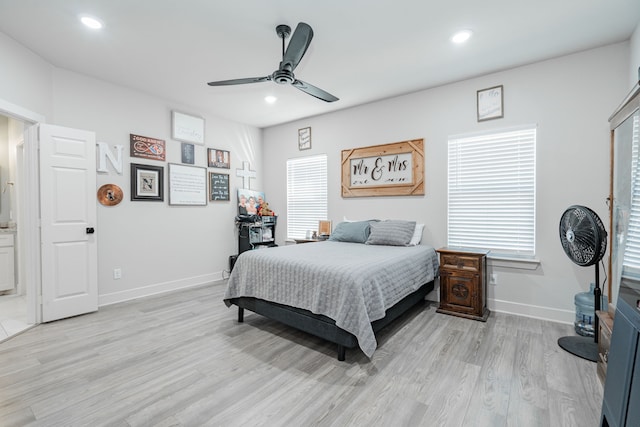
584	240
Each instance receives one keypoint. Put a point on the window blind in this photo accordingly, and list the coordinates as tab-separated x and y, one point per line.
306	194
491	191
631	261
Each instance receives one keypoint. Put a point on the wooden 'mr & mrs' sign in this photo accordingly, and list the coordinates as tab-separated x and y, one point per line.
395	169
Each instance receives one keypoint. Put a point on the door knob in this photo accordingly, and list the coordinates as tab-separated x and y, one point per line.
90	230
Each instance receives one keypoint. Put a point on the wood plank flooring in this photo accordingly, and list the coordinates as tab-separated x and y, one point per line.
181	359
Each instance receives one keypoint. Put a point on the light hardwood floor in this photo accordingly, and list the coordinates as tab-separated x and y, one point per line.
181	359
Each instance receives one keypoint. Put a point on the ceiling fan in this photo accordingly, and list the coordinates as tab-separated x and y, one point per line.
291	57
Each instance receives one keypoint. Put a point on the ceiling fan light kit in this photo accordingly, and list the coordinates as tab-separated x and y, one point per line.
291	57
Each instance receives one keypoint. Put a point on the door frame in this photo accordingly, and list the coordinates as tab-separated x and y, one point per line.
28	220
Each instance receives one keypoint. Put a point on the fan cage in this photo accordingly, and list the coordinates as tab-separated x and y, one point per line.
583	236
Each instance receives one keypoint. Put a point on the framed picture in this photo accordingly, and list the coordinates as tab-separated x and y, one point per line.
219	158
188	153
395	169
187	128
304	138
249	201
187	185
490	103
147	183
146	147
218	187
324	228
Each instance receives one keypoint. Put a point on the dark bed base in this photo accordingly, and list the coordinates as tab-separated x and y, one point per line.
320	325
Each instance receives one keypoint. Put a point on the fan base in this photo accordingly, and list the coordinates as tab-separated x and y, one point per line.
584	347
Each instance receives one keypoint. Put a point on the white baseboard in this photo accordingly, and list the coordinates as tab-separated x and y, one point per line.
158	288
534	311
518	309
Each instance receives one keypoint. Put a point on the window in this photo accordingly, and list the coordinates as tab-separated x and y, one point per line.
306	194
491	191
631	262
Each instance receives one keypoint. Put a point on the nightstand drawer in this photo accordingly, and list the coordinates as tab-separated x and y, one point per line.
460	262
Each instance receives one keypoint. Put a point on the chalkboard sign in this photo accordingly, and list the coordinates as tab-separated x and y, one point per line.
218	186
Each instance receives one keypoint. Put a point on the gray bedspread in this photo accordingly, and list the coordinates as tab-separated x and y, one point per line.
352	283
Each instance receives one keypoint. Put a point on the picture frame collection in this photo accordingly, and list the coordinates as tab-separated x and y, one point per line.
147	181
188	184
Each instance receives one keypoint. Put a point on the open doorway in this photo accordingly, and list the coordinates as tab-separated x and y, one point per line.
22	154
14	315
38	213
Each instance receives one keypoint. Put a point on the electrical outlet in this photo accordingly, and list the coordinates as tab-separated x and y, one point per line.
117	273
493	279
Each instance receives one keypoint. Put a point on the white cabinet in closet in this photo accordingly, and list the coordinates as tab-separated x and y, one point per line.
7	267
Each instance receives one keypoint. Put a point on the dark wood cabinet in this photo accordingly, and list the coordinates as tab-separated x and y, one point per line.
622	384
463	284
605	326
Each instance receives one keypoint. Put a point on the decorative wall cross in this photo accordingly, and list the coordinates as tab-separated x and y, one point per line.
246	173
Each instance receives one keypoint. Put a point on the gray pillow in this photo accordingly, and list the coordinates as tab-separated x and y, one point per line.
391	233
355	232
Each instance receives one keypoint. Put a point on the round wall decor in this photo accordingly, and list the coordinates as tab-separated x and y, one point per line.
109	195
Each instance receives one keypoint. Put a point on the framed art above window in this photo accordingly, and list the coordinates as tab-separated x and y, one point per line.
304	138
490	103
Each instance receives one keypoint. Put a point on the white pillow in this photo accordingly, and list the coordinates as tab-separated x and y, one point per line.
417	235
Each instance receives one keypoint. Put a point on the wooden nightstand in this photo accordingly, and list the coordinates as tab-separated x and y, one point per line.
605	326
463	284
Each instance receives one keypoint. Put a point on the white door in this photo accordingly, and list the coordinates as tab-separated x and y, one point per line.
68	219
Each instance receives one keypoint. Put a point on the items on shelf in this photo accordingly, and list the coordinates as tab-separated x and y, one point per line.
256	232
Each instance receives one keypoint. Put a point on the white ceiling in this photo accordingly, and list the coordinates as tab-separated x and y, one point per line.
362	51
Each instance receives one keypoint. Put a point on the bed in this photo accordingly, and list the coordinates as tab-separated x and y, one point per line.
341	291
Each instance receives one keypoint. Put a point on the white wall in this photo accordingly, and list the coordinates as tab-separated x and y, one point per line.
25	78
5	199
162	247
157	246
568	98
634	62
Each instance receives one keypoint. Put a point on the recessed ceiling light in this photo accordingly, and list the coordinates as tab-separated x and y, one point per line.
270	99
90	22
461	36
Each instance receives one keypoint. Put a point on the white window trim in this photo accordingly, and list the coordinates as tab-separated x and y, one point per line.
299	219
631	257
521	256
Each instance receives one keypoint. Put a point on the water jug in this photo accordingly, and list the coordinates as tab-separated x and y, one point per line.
585	311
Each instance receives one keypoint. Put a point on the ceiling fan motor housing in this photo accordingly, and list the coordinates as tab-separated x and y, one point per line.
283	77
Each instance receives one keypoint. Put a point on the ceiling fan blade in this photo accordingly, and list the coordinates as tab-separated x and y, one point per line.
314	91
300	41
240	81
